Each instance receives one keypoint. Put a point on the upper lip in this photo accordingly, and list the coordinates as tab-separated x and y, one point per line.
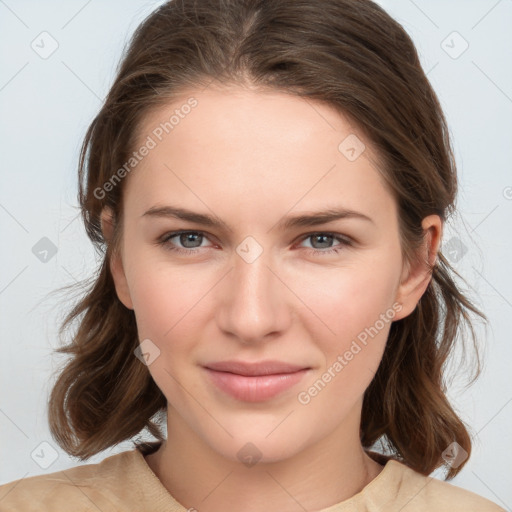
257	368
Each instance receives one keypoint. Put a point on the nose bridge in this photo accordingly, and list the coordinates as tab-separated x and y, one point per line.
253	302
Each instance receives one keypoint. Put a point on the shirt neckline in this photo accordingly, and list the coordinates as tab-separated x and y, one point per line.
383	479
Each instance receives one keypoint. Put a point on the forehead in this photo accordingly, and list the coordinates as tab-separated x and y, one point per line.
254	149
242	112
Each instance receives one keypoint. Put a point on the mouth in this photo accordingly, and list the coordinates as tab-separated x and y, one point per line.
254	382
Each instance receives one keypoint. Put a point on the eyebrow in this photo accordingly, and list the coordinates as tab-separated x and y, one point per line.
289	222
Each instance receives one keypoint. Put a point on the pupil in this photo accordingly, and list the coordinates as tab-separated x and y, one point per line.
188	237
324	237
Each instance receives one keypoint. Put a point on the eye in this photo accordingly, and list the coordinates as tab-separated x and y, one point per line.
324	239
191	242
189	239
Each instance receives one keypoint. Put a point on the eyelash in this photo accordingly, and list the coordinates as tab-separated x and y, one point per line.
344	242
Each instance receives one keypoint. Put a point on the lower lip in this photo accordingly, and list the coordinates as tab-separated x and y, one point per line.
255	388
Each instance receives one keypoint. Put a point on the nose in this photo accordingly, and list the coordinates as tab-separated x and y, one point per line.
253	300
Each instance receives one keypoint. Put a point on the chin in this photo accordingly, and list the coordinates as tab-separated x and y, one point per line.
255	446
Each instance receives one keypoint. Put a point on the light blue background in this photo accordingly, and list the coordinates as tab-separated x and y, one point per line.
46	106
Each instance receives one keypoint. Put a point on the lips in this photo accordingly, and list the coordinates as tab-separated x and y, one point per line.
254	382
255	369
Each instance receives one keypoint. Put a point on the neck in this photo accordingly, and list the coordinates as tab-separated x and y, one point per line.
327	472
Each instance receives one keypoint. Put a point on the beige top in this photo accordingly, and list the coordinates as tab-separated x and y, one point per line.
124	482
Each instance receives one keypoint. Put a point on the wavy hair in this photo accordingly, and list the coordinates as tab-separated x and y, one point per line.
349	54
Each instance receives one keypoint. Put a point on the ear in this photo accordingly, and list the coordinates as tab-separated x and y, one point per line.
416	275
116	262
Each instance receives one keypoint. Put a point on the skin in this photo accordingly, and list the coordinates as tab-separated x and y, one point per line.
252	158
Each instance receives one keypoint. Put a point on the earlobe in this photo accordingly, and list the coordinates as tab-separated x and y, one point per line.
116	263
417	275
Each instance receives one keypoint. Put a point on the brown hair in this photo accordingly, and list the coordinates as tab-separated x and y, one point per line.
349	54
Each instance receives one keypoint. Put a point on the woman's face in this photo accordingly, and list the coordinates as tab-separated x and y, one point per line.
261	282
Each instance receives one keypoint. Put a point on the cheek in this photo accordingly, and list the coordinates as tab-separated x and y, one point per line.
165	297
351	299
168	310
357	308
360	322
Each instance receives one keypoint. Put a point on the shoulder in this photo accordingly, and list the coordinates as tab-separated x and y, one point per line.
424	493
86	487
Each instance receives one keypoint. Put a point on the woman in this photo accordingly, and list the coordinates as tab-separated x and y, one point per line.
269	181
